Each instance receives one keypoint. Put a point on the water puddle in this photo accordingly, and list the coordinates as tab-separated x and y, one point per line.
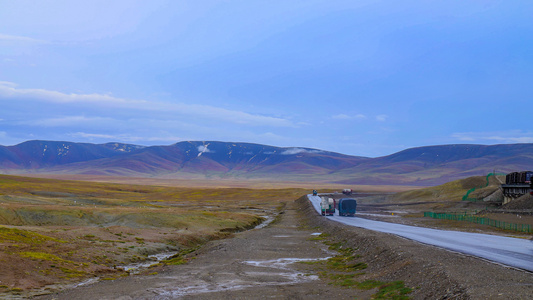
273	272
268	220
153	259
87	282
280	263
50	288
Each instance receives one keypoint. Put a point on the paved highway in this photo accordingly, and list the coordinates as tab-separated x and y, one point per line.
504	250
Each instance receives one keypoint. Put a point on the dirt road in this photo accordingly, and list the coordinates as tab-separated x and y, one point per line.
264	263
260	263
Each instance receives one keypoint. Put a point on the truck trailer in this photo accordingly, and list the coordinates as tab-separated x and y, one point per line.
327	206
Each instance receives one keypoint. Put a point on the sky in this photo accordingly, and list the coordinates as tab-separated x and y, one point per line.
366	78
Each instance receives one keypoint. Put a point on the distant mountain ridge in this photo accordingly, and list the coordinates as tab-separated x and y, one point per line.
429	165
43	154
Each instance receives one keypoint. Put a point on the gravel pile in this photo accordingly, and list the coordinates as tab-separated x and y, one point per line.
524	202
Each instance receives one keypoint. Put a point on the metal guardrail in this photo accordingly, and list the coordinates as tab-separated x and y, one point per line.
480	220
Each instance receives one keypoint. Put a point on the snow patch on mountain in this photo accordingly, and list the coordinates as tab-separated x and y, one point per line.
292	151
203	149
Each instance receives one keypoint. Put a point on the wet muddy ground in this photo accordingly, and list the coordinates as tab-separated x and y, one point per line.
261	263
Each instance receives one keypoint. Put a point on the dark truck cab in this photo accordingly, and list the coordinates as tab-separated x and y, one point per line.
347	207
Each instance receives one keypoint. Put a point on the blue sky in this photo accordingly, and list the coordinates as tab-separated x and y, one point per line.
365	78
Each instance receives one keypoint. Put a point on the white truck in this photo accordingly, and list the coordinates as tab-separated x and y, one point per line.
327	206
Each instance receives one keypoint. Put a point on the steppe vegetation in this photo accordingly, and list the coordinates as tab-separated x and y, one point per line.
344	269
58	232
452	192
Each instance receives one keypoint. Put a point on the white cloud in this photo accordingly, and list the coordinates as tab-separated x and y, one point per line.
514	136
341	117
518	139
381	118
16	38
68	121
232	116
94	135
292	151
463	137
269	136
10	92
8	84
349	117
125	137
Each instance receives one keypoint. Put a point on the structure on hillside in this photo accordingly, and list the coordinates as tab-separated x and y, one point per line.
516	185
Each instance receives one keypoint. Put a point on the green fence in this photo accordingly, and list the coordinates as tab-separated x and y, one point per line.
479	220
466	196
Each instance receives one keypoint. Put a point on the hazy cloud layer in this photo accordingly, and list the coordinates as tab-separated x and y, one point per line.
9	92
101	114
349	117
23	39
515	136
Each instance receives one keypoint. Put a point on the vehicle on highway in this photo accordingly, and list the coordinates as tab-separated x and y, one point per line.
347	207
347	191
315	193
327	206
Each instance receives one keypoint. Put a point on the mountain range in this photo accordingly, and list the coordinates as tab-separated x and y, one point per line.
421	166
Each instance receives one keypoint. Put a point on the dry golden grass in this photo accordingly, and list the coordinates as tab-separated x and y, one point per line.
449	192
227	183
57	231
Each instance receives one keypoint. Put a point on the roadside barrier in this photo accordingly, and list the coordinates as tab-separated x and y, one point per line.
480	220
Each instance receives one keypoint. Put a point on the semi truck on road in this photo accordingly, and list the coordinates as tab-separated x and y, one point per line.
327	206
347	207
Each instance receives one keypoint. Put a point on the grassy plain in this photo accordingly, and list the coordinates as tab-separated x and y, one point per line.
228	183
58	231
